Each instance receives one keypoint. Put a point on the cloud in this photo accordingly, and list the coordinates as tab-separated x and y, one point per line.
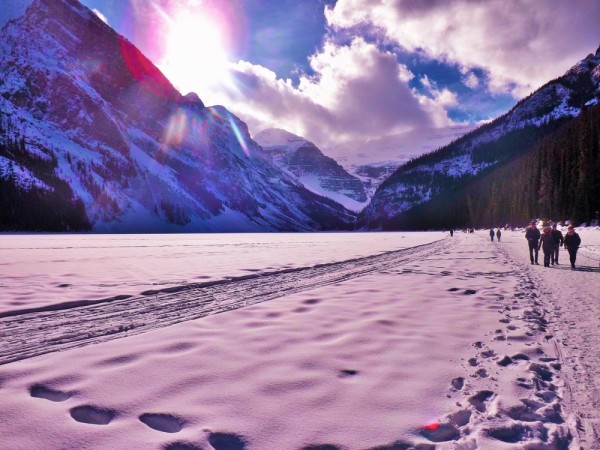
358	93
470	80
520	44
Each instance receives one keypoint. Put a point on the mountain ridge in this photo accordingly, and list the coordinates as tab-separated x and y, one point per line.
514	133
138	154
319	173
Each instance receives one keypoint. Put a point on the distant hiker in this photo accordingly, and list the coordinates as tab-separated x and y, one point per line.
533	236
558	241
498	233
492	234
572	243
547	245
451	233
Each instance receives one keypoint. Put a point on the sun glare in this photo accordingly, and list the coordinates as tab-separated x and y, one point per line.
195	57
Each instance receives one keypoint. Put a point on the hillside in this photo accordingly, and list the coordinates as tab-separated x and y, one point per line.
115	136
417	195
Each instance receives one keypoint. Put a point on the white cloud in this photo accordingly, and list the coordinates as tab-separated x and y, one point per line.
521	44
358	93
470	80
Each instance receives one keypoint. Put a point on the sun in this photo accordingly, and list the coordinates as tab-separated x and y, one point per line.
196	58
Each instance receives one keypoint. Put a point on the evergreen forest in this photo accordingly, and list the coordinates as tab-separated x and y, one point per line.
29	206
556	178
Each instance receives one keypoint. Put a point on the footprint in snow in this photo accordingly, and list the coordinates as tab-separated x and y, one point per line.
458	383
40	391
182	446
312	301
480	399
226	441
322	447
93	415
162	422
345	373
440	432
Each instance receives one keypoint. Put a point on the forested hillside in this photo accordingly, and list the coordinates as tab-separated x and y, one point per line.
559	179
32	197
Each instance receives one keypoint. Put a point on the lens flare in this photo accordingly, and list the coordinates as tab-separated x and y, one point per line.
176	129
239	136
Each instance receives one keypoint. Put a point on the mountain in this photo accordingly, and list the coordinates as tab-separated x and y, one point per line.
302	160
374	160
89	125
558	180
424	192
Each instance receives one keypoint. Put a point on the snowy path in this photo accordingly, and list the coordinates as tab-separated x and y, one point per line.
571	300
28	335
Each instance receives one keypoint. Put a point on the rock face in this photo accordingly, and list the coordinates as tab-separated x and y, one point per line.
136	153
320	174
446	171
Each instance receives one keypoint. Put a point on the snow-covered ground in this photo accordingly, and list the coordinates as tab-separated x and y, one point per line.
41	270
453	343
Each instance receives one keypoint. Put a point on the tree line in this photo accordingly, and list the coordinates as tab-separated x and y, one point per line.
551	172
558	180
34	207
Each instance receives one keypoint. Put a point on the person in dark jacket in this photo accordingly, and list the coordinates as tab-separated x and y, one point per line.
558	242
492	234
572	243
533	236
498	234
547	245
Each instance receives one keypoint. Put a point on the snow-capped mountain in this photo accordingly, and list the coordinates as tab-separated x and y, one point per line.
321	174
375	160
444	171
92	112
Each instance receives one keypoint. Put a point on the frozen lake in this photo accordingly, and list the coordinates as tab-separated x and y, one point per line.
457	343
42	269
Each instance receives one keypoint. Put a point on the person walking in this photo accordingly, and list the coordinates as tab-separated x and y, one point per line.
533	236
572	242
498	233
558	242
492	234
547	246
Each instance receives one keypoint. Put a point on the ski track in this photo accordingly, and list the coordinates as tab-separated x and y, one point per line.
33	334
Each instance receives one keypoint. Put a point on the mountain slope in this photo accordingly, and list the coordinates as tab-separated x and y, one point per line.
138	154
320	174
440	177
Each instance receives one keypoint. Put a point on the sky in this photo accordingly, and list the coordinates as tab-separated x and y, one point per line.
347	73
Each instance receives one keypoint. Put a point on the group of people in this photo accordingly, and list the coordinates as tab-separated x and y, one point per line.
550	242
498	234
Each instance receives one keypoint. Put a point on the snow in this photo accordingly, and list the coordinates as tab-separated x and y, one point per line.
592	102
41	270
313	183
276	137
23	176
458	343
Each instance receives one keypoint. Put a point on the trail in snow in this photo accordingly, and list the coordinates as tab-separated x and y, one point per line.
29	335
569	302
